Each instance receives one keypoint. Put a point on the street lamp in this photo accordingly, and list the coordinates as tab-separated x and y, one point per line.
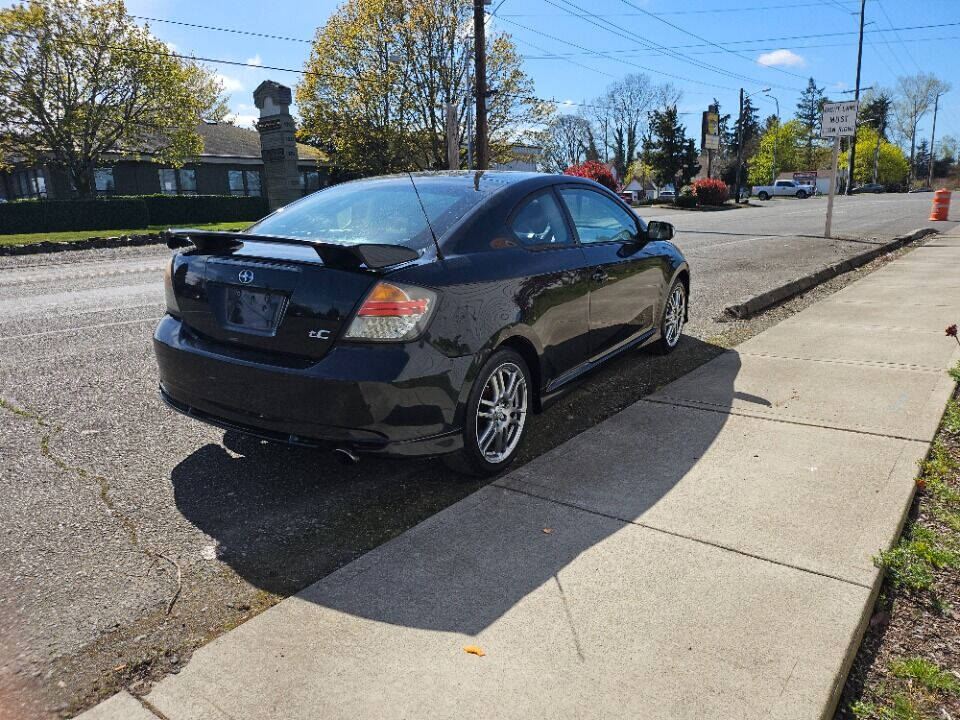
740	134
776	141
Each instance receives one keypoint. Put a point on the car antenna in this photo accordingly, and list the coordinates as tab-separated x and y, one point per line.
426	217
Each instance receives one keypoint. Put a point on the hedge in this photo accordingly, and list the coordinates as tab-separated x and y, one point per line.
33	216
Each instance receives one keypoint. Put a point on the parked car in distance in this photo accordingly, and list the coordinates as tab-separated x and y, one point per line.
870	188
783	188
922	190
414	315
666	193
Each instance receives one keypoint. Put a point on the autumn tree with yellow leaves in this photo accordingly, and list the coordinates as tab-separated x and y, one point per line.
81	80
381	72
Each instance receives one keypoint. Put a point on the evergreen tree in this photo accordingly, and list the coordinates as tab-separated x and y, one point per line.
809	110
751	137
671	155
875	113
921	159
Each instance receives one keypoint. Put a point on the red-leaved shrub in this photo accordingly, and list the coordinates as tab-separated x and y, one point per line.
710	191
594	171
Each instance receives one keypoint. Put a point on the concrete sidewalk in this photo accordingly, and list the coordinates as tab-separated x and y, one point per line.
708	554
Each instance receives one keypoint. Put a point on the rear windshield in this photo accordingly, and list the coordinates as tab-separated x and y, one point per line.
380	210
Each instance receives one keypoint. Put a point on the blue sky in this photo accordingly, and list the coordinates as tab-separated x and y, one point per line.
760	37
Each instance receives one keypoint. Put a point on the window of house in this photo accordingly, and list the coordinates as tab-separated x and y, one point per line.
168	181
29	183
235	181
103	179
309	181
253	182
188	181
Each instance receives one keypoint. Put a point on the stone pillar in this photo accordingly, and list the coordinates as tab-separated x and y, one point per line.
278	145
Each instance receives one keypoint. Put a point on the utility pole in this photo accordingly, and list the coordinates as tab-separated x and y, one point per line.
453	138
856	96
480	60
933	135
739	143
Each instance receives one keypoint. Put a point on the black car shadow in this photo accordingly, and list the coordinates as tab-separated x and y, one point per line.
284	517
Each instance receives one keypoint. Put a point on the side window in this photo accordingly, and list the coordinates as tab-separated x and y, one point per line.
539	221
598	219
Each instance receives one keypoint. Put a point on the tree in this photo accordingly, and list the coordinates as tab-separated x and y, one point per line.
80	80
921	160
916	96
750	137
594	171
668	151
621	115
564	143
892	167
875	111
380	74
781	149
809	112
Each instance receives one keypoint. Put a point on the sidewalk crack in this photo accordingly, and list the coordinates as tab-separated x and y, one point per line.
682	536
759	415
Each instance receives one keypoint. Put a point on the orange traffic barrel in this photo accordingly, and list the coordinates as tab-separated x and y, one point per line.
941	205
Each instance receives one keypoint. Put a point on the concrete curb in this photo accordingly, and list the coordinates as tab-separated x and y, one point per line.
86	244
759	303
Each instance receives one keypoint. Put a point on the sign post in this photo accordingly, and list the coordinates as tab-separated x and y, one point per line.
839	120
710	135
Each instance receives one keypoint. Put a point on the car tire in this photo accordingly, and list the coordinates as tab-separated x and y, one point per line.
492	407
674	315
801	194
763	196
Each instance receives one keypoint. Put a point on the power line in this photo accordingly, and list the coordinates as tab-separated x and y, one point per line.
608	57
897	35
703	39
649	44
724	10
635	53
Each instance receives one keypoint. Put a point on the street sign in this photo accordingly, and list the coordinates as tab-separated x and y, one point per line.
839	119
710	131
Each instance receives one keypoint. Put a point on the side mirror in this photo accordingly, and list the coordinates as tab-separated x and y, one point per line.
657	230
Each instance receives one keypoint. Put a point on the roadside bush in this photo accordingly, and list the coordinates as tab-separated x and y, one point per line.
711	191
594	171
185	209
135	212
29	216
686	198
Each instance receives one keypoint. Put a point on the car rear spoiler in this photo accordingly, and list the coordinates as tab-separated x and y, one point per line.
373	256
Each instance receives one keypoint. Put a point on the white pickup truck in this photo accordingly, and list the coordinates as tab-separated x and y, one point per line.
783	188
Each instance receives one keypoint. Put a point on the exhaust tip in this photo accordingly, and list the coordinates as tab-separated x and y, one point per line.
346	457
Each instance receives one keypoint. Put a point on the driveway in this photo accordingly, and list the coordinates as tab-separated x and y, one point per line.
131	536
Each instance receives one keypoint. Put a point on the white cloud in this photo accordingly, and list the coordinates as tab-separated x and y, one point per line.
230	84
781	57
255	60
243	120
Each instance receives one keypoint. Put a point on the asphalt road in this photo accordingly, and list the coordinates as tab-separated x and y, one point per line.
130	536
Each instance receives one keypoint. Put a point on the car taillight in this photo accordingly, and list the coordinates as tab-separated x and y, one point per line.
172	307
393	313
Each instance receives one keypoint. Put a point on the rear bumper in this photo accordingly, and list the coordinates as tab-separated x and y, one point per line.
380	399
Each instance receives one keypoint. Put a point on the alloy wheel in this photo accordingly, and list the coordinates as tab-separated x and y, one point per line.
673	318
501	413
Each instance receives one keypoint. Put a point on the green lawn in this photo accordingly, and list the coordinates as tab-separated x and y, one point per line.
69	235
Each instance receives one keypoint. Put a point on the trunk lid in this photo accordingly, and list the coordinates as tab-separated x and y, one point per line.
277	295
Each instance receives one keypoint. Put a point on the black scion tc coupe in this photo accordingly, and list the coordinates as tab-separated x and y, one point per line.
423	314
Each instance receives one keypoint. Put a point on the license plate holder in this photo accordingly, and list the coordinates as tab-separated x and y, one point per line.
252	310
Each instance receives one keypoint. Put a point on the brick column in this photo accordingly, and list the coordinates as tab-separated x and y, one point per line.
278	145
